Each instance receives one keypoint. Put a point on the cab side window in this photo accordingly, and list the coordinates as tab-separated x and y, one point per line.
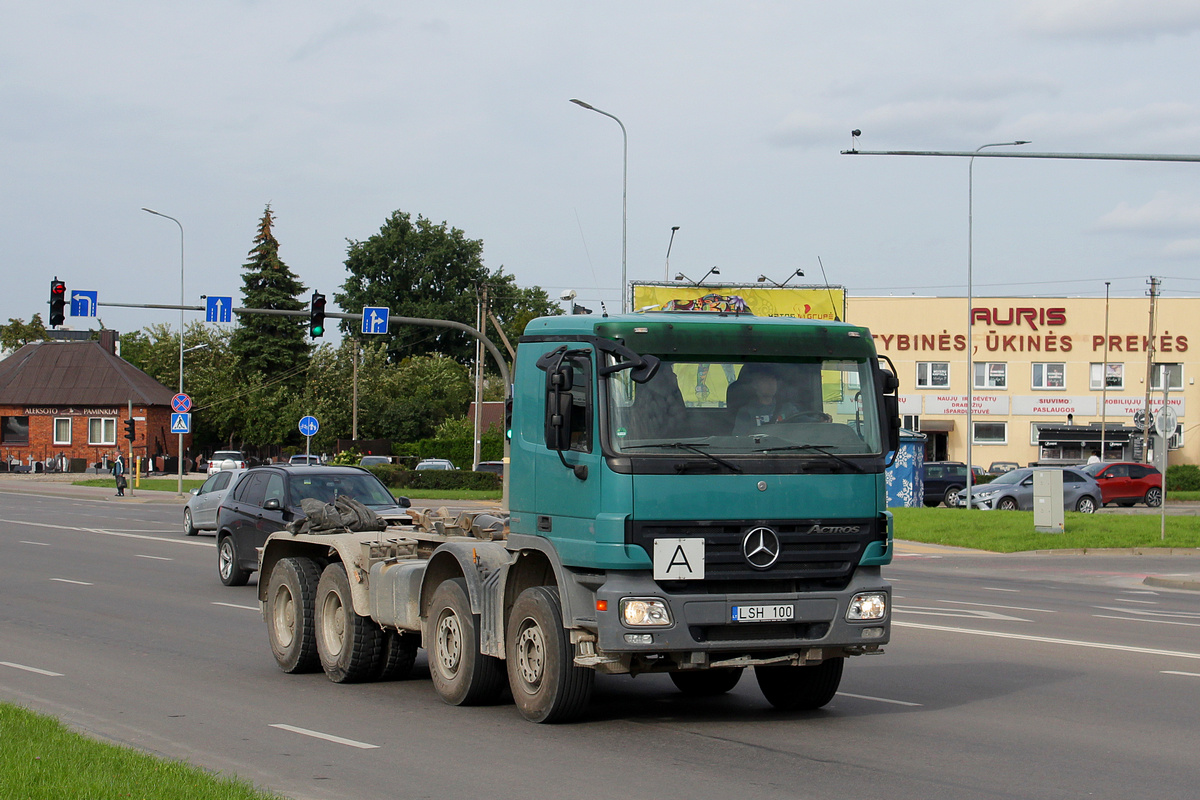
581	401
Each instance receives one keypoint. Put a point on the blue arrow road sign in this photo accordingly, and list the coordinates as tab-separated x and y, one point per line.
375	319
218	309
181	423
309	426
83	304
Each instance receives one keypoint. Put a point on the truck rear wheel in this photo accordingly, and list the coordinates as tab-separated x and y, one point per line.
290	593
349	645
546	685
461	674
800	688
706	682
397	657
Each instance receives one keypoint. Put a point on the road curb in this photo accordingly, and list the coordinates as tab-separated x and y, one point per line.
1190	585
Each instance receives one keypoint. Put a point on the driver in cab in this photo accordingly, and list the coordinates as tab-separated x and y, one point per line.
764	406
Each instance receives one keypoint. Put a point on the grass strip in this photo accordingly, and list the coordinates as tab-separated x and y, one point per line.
1013	532
42	759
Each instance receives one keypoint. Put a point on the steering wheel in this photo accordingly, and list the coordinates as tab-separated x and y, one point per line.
808	416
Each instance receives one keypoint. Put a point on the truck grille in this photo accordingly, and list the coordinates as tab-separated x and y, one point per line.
813	554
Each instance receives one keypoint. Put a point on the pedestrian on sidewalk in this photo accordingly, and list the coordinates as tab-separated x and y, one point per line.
118	471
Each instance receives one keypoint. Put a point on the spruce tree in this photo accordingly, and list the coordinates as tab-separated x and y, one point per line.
274	346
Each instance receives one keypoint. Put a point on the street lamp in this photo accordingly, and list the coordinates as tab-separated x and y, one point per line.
764	278
179	454
624	194
679	276
667	268
970	304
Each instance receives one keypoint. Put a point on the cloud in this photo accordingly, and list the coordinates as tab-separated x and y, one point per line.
1166	212
1109	19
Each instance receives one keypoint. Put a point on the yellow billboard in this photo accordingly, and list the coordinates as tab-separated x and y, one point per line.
805	302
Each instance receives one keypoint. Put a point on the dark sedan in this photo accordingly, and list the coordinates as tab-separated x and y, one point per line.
266	499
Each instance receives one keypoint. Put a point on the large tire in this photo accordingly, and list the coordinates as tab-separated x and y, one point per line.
397	657
291	591
349	645
188	528
800	688
1153	497
545	683
1086	504
230	571
706	682
1007	504
951	496
462	676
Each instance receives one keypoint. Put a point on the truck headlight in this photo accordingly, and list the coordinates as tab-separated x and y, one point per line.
867	605
639	612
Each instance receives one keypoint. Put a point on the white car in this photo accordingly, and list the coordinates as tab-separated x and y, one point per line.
436	463
200	512
217	462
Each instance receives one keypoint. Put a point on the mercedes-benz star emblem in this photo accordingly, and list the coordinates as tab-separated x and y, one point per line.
761	548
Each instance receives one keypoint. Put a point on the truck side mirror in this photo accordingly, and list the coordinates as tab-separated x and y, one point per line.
558	421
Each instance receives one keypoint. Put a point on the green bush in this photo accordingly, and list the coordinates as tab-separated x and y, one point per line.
1183	478
398	477
460	451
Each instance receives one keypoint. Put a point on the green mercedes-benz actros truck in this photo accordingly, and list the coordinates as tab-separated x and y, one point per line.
689	493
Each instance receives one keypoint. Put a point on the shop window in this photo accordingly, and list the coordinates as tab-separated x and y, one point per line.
1107	376
991	375
933	374
1174	374
62	430
990	432
1050	376
14	430
102	430
912	422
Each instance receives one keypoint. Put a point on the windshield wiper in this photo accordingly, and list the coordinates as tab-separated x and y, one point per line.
823	450
695	448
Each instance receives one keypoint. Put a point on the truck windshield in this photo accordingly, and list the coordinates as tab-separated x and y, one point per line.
794	407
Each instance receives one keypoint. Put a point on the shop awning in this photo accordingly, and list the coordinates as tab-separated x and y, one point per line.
1051	436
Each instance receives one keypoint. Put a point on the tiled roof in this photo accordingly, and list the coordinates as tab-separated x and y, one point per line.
75	373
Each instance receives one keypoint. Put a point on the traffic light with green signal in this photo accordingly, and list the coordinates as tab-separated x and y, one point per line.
58	302
316	316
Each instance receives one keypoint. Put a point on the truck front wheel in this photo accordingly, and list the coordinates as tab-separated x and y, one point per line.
546	685
290	593
800	688
707	682
462	676
349	645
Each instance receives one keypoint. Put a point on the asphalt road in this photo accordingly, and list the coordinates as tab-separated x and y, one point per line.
1008	677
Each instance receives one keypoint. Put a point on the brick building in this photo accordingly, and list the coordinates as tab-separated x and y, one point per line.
70	399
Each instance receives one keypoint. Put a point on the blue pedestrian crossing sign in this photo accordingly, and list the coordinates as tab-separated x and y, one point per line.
218	309
309	426
83	304
375	319
181	423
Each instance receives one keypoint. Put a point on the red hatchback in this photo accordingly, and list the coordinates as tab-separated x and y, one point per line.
1127	482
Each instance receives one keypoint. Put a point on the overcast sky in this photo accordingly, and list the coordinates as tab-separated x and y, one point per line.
338	114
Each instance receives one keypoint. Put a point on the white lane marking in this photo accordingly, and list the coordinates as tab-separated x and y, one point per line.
1131	600
998	589
105	532
1049	640
235	605
1138	591
39	544
993	605
879	699
1152	613
326	736
77	583
961	613
1143	619
32	669
1184	674
156	558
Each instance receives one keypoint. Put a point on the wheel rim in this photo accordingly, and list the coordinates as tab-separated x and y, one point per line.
951	497
531	654
226	559
1154	497
449	644
333	624
187	520
1007	504
1086	505
284	616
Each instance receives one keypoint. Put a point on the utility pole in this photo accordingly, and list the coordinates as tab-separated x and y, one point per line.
480	315
1149	373
354	413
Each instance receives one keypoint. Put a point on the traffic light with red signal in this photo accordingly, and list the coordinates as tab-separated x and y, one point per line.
58	302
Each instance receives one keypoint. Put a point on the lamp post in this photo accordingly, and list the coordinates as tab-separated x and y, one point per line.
667	268
970	303
179	454
624	194
1104	383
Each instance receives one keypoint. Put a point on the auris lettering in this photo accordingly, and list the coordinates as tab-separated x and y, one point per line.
1032	317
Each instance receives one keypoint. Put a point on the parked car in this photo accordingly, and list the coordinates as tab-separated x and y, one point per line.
305	461
1001	467
369	461
1014	491
491	466
435	463
1127	482
200	511
943	481
217	462
266	499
